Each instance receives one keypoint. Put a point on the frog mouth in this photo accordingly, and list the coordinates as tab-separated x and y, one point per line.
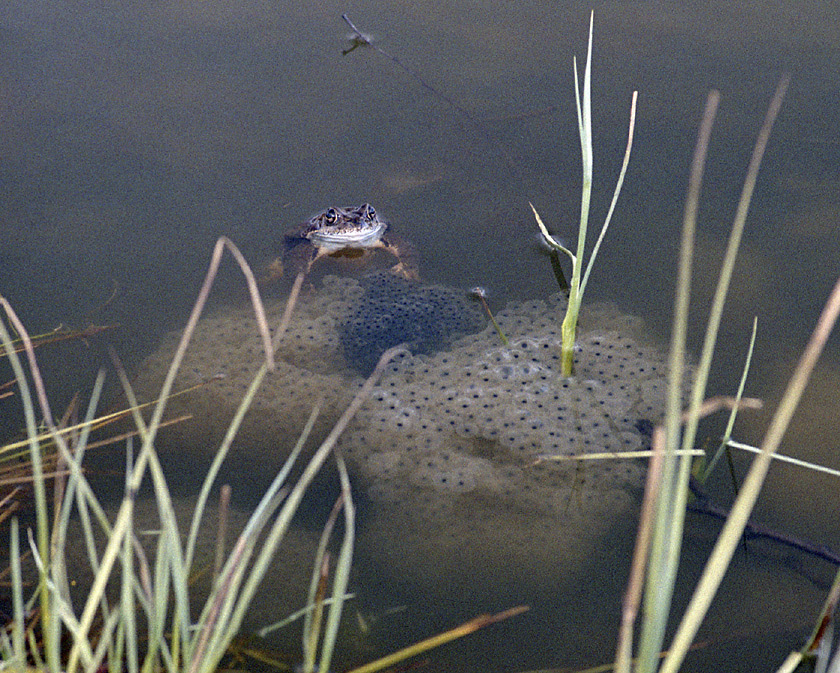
333	241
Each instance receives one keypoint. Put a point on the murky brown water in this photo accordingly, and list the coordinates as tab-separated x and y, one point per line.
132	136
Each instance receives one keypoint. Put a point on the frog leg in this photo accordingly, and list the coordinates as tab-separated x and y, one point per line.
408	263
314	255
300	257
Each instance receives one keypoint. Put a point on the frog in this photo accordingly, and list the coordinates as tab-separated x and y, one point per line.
344	231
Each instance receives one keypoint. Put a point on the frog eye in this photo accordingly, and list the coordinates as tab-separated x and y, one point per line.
330	216
370	211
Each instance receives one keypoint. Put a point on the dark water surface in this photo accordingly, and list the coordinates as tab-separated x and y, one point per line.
132	135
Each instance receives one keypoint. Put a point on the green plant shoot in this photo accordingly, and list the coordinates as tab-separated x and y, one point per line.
579	279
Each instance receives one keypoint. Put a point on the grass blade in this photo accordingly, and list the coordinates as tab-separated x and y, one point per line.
662	568
19	626
730	424
618	186
342	570
441	639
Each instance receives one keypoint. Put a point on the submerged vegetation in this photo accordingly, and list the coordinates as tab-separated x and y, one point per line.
150	627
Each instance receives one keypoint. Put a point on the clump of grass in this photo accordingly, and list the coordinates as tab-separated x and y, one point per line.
668	477
580	277
655	559
158	595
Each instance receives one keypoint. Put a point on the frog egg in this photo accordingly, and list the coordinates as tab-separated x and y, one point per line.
525	347
466	426
353	293
527	445
401	419
458	481
650	395
482	421
451	470
498	357
394	310
612	400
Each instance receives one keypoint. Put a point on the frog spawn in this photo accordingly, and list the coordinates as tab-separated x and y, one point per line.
479	394
454	450
393	311
458	442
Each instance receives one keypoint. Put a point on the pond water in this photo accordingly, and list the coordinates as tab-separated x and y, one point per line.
132	135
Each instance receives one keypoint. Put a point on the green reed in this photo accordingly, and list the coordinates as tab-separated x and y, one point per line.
580	277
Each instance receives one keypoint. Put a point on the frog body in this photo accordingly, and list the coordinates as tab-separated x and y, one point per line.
350	231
